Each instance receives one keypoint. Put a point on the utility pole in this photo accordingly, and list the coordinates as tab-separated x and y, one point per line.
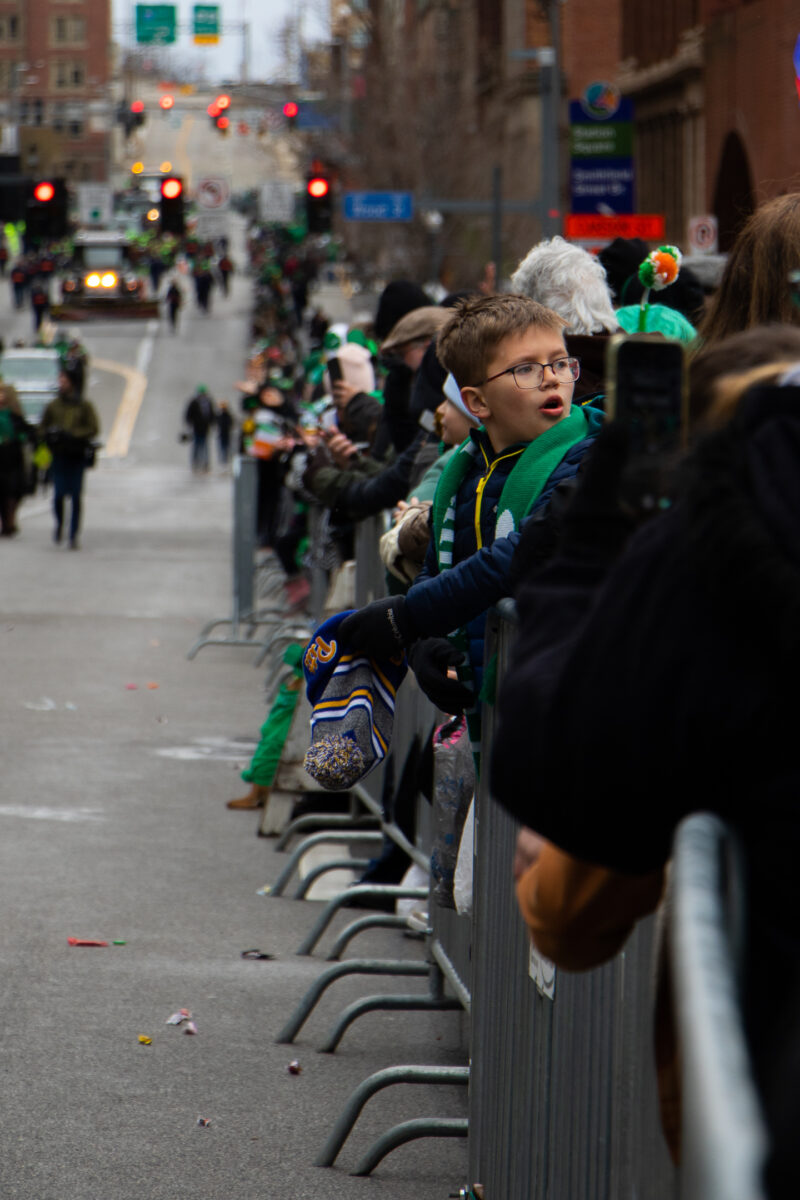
245	51
550	66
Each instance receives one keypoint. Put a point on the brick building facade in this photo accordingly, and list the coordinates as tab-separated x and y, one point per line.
54	85
716	110
451	89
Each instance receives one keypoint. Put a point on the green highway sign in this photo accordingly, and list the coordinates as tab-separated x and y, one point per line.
156	24
205	25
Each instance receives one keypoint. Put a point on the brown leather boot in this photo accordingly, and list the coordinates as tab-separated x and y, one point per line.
255	798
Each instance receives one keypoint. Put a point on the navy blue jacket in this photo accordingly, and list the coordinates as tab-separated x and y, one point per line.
438	603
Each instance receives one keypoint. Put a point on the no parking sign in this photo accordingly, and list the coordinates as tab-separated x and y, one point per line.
703	234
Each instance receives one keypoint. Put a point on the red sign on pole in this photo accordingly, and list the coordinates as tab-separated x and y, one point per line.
587	226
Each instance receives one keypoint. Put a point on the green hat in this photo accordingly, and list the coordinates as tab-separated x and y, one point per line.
659	319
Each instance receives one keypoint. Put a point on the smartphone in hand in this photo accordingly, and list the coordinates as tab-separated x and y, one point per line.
647	392
335	373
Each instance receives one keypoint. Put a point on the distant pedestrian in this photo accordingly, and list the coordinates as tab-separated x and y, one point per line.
225	268
156	268
174	300
224	430
40	304
200	417
75	361
203	282
19	281
68	427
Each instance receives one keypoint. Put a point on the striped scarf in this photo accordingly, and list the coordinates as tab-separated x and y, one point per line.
353	699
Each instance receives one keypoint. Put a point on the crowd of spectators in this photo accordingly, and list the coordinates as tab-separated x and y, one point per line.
652	670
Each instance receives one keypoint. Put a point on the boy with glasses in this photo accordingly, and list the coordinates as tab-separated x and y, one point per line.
508	354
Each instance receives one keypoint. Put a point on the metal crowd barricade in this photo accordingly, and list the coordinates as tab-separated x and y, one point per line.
414	717
563	1099
245	616
562	1087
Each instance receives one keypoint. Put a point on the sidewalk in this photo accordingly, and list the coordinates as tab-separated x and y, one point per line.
114	826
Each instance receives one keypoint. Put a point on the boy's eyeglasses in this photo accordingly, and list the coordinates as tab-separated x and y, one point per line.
530	375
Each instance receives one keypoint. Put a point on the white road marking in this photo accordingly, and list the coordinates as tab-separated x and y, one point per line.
51	814
213	749
119	439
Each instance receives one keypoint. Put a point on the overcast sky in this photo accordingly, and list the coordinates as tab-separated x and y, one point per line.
265	18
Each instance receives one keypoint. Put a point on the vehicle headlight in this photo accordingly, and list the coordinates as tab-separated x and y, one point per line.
92	280
109	280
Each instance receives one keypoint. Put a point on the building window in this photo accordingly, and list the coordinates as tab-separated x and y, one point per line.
75	119
67	73
68	31
9	28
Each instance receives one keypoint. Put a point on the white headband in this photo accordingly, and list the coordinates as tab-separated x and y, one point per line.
453	393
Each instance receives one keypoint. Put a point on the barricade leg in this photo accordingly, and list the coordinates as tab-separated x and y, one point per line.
435	1000
354	966
373	921
408	1132
361	890
335	864
372	1084
287	632
390	1003
316	839
316	821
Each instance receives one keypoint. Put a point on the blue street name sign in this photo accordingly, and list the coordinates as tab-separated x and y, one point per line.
602	173
378	206
602	184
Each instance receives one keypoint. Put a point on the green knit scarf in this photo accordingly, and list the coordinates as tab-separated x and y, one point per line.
521	490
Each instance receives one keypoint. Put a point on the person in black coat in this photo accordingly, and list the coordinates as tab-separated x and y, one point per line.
664	688
224	430
200	416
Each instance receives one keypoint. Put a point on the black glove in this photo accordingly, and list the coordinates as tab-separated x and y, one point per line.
381	629
429	660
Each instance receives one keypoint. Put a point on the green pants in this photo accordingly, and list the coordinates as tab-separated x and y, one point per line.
274	733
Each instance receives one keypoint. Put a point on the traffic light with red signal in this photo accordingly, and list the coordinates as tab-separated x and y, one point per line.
290	112
173	219
46	211
319	204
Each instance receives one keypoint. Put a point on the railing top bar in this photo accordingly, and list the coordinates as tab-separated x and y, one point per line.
507	609
725	1151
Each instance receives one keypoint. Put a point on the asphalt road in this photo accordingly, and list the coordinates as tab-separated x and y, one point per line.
117	757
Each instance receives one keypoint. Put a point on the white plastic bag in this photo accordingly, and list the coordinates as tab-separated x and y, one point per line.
462	883
414	877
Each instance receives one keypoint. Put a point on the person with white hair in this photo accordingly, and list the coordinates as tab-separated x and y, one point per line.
573	283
